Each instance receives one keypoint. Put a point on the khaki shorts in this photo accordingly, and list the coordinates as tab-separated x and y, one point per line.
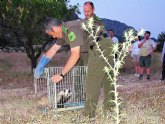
136	58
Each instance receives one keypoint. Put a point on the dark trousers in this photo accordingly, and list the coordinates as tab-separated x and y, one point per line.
163	68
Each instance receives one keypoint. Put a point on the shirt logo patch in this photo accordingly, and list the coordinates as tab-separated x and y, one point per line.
71	36
65	29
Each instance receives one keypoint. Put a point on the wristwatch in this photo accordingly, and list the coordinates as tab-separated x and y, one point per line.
62	75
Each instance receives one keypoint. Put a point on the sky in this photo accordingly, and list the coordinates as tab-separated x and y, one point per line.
147	14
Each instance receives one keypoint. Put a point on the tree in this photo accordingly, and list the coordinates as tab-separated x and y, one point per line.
161	39
24	18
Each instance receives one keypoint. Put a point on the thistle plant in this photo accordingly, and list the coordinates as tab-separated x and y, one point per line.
112	70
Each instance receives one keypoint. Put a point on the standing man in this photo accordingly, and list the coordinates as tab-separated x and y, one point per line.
69	33
135	54
163	63
147	46
96	77
113	38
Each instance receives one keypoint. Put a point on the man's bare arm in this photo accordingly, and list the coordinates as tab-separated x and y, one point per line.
141	44
52	51
75	55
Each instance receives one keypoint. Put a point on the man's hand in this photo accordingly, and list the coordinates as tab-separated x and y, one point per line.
41	65
145	39
38	72
141	44
45	60
56	78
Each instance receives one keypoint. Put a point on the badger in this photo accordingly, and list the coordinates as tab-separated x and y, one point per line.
61	98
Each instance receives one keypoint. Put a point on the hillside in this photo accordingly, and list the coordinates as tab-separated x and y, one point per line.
117	26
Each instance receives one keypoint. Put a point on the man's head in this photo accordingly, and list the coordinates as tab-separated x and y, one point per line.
147	34
111	33
138	38
53	27
88	9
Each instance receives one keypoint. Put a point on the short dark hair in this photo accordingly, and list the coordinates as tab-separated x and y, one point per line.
90	3
111	30
139	37
50	22
148	32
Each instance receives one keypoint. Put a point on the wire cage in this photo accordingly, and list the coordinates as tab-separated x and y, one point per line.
68	93
40	84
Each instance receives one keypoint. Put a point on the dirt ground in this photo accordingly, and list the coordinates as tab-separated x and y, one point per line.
142	99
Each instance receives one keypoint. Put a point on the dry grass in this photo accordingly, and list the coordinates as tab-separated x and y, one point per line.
143	101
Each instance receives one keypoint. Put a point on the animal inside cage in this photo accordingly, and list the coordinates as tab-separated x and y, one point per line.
68	93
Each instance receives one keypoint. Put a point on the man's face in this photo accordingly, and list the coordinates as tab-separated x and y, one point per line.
88	11
55	33
111	33
136	38
146	35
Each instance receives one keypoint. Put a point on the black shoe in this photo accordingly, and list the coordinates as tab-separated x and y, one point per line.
148	77
141	76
